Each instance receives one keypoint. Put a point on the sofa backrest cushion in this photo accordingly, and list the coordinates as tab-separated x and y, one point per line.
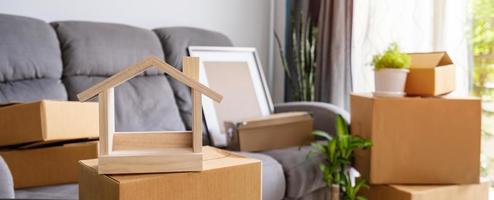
94	51
30	61
175	41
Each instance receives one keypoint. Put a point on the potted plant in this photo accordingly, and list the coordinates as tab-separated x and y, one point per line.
390	72
337	153
300	65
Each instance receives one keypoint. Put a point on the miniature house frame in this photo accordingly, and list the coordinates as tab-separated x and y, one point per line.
147	152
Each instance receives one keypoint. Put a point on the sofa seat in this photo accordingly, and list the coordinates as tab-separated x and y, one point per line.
273	180
302	173
64	191
273	183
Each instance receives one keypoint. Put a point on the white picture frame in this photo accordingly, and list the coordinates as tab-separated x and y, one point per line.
238	63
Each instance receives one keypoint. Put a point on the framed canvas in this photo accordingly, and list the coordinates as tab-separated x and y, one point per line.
237	74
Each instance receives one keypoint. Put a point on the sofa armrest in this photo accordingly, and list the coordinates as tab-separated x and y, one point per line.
324	113
6	182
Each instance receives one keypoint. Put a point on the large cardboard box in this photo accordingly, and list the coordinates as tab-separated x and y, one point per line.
428	192
270	132
226	176
418	140
49	165
431	74
47	120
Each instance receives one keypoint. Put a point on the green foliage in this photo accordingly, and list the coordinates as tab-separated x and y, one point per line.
483	47
483	31
300	67
391	58
482	38
337	152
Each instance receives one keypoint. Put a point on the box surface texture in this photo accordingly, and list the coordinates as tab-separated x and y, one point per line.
47	120
431	74
226	176
418	140
49	165
428	192
271	132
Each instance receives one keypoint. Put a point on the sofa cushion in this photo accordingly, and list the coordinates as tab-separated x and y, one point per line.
94	51
6	181
273	181
64	191
301	172
175	41
30	61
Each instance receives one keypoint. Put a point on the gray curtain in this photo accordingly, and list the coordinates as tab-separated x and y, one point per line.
333	82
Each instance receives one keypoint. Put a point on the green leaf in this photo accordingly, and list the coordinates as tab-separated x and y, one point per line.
322	134
332	150
341	126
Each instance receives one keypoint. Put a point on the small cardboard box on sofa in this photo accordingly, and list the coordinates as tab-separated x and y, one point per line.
48	165
418	140
47	120
275	131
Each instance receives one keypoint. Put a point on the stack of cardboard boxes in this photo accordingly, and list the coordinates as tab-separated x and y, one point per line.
42	142
425	146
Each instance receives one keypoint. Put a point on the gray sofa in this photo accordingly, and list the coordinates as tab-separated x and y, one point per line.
39	60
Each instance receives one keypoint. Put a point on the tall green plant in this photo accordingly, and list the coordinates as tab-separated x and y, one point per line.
300	66
337	153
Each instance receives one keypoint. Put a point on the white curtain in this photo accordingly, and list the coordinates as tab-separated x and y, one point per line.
417	26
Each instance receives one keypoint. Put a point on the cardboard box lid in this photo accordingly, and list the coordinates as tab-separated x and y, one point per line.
274	119
430	59
213	159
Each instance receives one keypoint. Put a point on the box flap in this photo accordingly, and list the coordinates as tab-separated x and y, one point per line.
274	119
429	60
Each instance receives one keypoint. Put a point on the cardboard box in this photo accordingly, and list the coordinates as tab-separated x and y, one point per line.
271	132
226	176
47	120
418	140
49	165
428	192
431	74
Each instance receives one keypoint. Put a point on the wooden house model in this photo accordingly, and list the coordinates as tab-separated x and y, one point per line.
147	152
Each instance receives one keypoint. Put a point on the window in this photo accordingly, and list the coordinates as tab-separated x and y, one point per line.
482	33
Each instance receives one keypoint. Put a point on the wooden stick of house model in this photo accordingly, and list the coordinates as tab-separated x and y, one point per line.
147	152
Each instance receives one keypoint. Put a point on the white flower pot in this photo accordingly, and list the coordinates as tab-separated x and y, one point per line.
390	82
